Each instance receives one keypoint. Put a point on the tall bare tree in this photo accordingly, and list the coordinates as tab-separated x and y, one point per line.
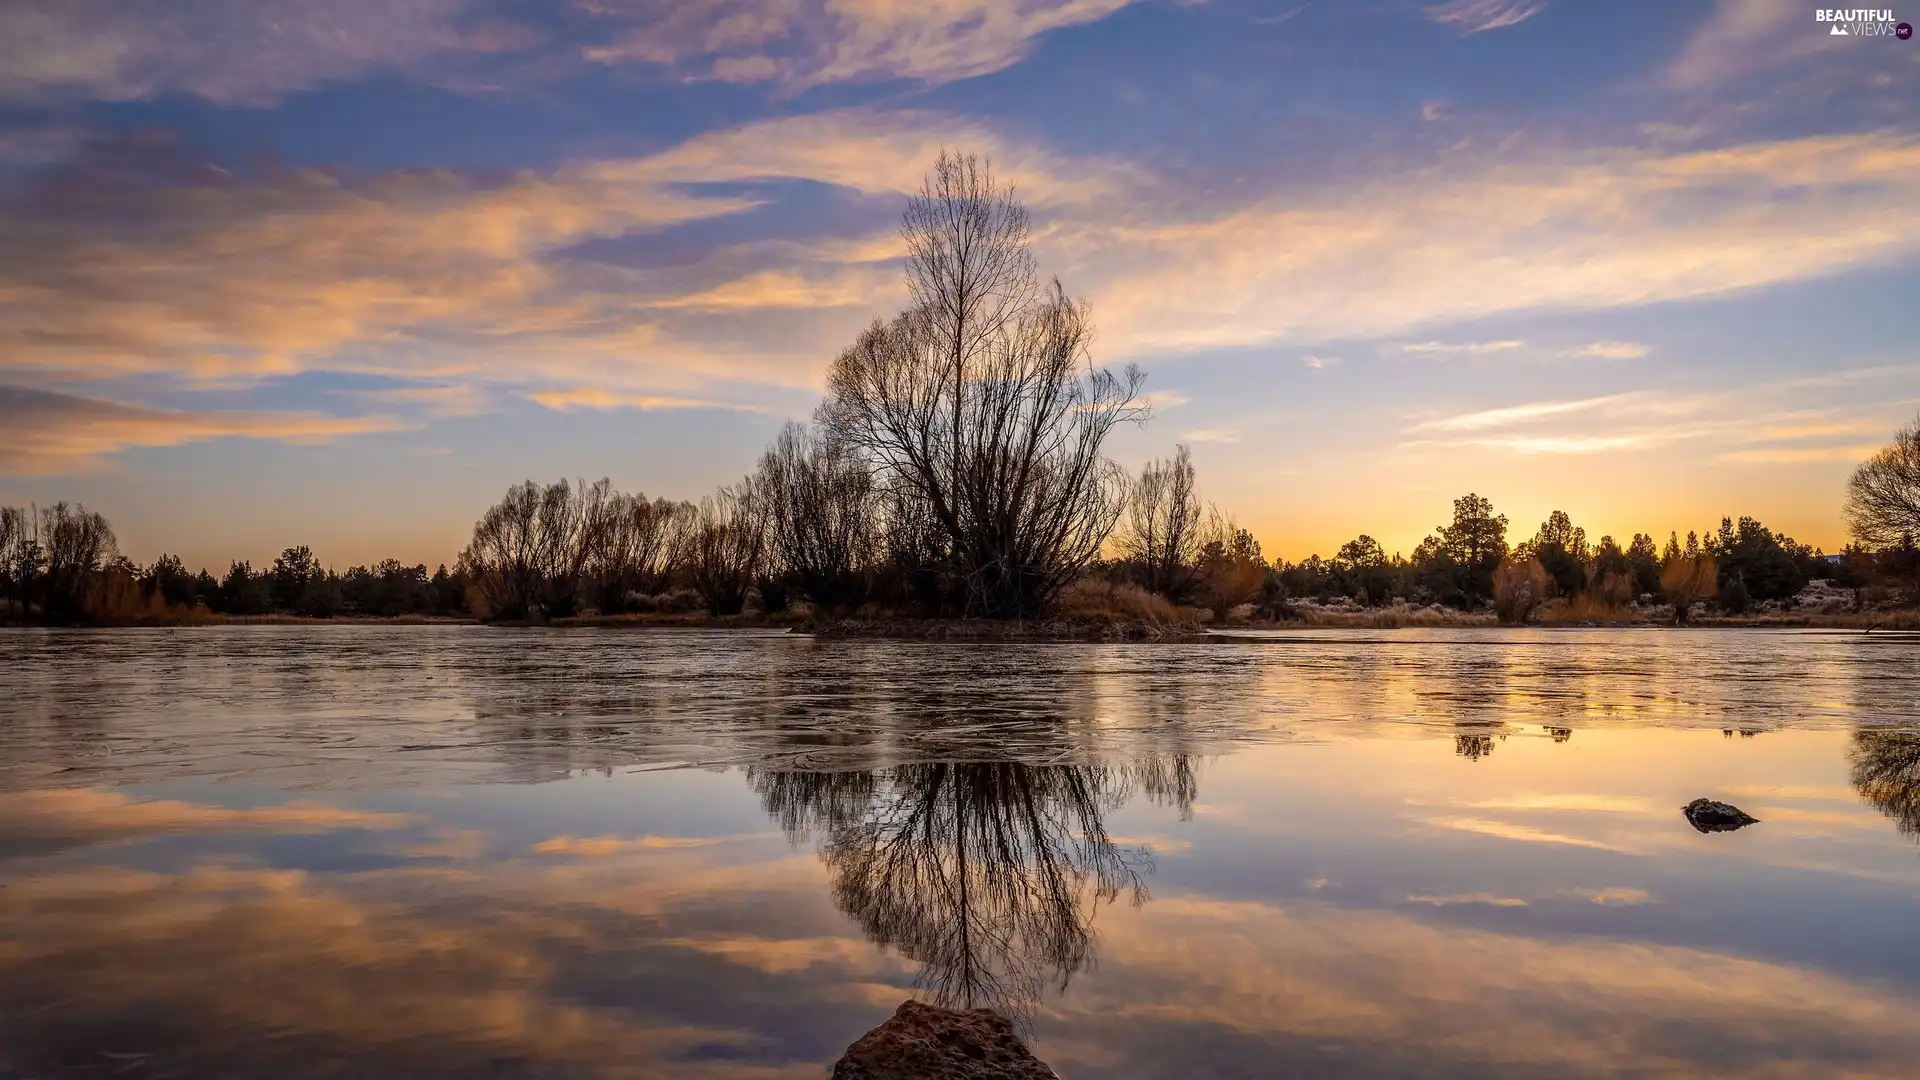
76	545
728	547
629	545
1162	530
1883	495
14	531
525	556
980	405
822	514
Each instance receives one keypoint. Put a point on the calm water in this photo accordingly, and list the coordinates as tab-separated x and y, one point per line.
454	851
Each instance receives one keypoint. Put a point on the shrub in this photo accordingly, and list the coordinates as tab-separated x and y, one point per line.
1518	588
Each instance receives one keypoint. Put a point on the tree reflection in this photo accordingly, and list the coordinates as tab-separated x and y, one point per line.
1886	773
988	874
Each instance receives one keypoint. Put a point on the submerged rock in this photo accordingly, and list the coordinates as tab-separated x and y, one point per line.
925	1042
1710	816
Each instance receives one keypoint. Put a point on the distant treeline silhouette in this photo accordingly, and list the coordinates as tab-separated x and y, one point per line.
956	468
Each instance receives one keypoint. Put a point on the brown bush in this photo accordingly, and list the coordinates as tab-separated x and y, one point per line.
1093	599
1518	588
1687	580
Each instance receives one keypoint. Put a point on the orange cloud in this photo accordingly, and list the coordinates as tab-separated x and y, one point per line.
46	432
588	397
597	846
91	815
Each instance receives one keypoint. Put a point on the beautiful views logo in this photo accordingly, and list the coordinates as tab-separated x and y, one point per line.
1862	22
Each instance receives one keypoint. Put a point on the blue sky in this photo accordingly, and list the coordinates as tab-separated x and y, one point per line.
337	274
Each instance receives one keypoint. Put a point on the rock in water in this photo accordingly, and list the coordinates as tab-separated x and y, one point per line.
925	1042
1710	816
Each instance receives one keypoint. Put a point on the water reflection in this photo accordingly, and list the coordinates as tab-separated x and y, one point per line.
987	874
1886	772
235	855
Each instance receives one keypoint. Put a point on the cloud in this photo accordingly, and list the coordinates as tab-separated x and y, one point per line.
1613	350
137	259
1213	435
1782	421
61	818
46	432
1396	993
1477	16
1740	38
588	397
601	846
1163	399
649	281
1455	899
1480	236
1517	414
1463	348
799	44
230	52
1508	830
1792	455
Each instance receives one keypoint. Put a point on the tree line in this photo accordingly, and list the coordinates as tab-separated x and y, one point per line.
956	468
62	564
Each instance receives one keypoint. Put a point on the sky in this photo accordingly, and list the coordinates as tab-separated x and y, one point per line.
275	272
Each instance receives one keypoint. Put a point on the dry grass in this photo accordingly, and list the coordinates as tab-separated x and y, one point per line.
1093	600
1394	617
1588	610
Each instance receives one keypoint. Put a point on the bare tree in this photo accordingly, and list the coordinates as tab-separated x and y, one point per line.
728	547
14	531
1883	495
629	545
979	405
76	546
822	514
1162	529
1230	567
526	553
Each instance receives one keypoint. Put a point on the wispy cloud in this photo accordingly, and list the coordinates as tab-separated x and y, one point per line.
1521	414
1479	899
1486	235
42	431
1790	455
1212	435
1508	830
1477	16
604	846
590	397
1459	348
1164	399
231	52
1613	350
1762	423
798	44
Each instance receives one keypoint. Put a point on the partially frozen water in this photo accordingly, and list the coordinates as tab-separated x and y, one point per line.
457	851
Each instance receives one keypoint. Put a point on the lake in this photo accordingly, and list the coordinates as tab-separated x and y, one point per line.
430	851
